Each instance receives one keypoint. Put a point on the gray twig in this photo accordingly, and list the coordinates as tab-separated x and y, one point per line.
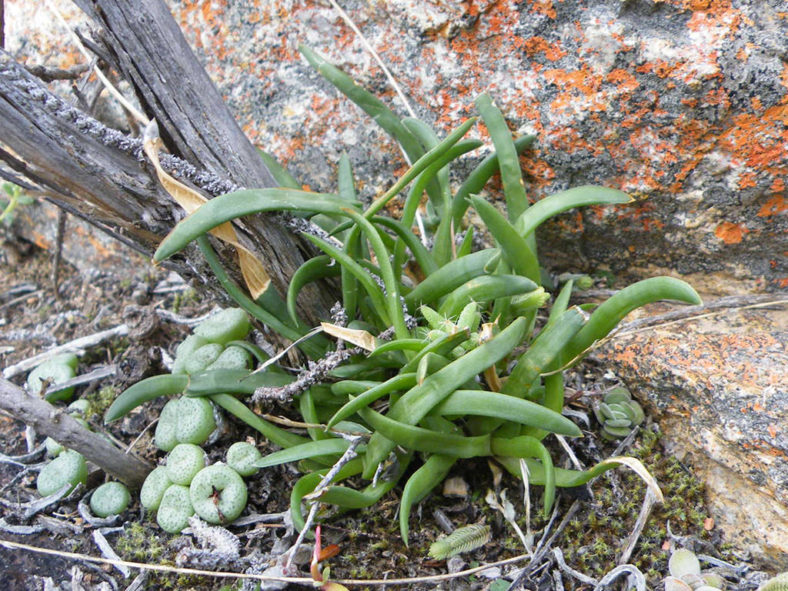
107	551
76	346
634	536
640	580
559	558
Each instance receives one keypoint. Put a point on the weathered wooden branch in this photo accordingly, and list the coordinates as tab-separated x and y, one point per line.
100	175
58	425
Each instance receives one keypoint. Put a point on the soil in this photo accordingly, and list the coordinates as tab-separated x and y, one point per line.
34	317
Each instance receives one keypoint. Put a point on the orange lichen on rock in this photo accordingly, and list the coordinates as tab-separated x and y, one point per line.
730	233
774	206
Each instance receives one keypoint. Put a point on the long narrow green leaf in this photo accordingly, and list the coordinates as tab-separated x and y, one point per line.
395	312
315	268
449	277
419	485
279	172
238	204
143	391
363	277
514	247
311	449
418	401
508	161
271	432
306	484
419	166
607	316
346	185
552	205
421	255
440	346
485	288
546	347
369	103
399	382
479	176
429	139
493	404
425	440
235	381
553	400
524	447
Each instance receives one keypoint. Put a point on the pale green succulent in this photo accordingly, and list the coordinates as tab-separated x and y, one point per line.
618	413
111	498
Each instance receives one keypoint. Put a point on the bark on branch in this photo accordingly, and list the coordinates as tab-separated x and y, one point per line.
58	425
99	174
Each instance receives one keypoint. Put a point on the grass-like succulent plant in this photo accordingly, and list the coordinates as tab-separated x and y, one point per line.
447	350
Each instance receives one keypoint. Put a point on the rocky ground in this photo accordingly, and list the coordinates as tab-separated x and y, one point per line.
593	523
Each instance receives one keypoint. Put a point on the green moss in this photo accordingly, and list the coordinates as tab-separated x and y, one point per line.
100	401
591	542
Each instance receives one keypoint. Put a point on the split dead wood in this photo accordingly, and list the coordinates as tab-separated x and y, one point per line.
55	423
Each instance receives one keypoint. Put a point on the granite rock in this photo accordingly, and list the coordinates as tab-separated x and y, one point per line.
682	103
718	387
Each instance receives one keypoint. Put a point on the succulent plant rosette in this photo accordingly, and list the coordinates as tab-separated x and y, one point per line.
439	350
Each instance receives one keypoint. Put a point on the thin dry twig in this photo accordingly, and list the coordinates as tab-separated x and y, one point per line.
76	346
230	575
559	558
640	580
634	536
107	550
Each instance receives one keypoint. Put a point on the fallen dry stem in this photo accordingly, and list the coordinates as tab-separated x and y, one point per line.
230	575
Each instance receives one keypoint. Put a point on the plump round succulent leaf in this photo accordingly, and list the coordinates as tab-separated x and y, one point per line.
175	509
184	462
68	468
154	487
232	358
53	372
183	351
218	494
111	498
164	437
54	448
202	358
674	584
242	457
618	394
195	420
79	407
778	583
228	325
683	562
